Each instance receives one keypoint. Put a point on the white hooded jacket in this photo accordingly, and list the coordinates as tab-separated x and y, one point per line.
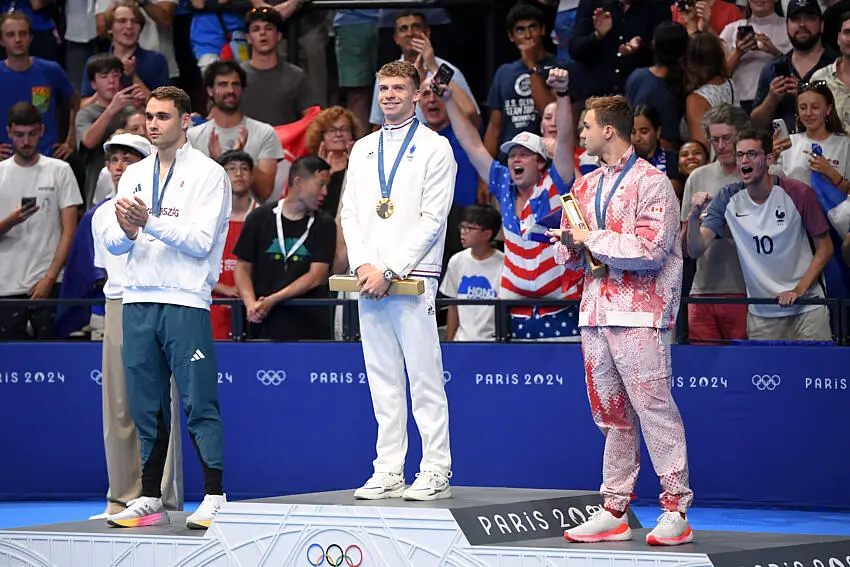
176	257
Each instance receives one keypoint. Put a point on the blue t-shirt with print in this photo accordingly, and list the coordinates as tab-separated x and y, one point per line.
38	85
151	67
510	94
206	34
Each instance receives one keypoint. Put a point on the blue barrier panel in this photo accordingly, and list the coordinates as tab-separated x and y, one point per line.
763	423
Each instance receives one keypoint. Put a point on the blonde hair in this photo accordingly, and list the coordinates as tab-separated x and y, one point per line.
323	121
401	69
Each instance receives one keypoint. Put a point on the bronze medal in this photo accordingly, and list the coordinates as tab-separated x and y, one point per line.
385	208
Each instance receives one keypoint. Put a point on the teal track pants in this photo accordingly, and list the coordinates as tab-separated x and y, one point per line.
161	340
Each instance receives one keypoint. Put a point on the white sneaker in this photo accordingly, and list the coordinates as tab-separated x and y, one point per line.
101	516
381	486
672	529
143	511
429	485
602	526
204	515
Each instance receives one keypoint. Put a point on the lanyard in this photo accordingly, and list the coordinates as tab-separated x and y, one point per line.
158	196
600	213
387	187
278	217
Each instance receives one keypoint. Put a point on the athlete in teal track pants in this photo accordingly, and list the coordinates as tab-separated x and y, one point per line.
172	211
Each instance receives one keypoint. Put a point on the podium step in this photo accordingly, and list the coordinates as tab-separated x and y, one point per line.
480	527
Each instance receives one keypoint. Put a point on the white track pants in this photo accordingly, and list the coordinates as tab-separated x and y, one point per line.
399	331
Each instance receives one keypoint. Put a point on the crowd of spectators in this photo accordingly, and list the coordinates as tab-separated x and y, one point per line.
744	107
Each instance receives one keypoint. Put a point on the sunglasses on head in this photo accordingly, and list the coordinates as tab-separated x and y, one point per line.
819	86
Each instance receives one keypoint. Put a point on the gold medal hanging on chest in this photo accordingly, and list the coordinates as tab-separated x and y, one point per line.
385	208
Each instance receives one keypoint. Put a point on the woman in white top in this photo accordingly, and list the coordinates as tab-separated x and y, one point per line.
819	124
708	84
764	37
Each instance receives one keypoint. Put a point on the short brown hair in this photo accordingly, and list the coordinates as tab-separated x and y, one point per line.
109	15
178	96
613	111
323	121
16	16
401	69
762	136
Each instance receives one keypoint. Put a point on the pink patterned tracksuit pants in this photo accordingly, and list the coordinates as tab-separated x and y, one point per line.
629	378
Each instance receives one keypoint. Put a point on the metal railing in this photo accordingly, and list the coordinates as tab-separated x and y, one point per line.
839	311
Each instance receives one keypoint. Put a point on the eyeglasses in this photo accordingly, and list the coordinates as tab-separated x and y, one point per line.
469	227
752	154
237	168
341	130
717	140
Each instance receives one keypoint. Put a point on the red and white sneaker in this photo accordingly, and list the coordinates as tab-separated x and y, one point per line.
602	526
672	529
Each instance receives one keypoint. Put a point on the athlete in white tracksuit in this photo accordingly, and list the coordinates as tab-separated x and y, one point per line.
397	240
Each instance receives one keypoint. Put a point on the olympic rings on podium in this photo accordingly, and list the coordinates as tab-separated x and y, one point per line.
334	555
271	377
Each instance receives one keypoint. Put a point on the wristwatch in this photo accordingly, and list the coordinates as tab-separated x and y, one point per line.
389	275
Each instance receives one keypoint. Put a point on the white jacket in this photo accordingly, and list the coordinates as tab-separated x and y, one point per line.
176	258
411	241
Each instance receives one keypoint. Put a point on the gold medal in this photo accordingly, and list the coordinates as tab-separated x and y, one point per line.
385	208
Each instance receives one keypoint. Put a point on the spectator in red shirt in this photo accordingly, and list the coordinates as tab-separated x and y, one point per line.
240	169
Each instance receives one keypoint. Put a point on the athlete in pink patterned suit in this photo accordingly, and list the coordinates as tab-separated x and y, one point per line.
625	319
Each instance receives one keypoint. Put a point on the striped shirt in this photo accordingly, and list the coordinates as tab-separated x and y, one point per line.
530	269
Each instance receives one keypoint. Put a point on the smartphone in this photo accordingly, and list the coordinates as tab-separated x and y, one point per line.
685	5
780	126
441	79
27	202
744	31
781	69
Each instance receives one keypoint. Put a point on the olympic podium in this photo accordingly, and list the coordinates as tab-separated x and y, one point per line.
479	527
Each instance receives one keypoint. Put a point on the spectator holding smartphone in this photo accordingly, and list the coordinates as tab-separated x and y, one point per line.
777	86
38	208
751	43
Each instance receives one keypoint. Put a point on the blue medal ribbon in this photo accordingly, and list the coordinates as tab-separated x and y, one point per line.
601	212
386	187
158	196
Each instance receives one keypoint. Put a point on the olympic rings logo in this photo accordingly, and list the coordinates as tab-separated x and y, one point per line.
97	377
271	377
766	382
352	556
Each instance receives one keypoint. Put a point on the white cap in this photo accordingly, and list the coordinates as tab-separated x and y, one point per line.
527	140
133	141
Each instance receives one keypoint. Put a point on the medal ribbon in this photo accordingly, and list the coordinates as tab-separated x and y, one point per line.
387	187
158	196
278	217
600	214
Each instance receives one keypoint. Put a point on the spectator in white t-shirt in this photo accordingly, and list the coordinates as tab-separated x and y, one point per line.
38	207
474	273
821	126
229	128
748	50
771	226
